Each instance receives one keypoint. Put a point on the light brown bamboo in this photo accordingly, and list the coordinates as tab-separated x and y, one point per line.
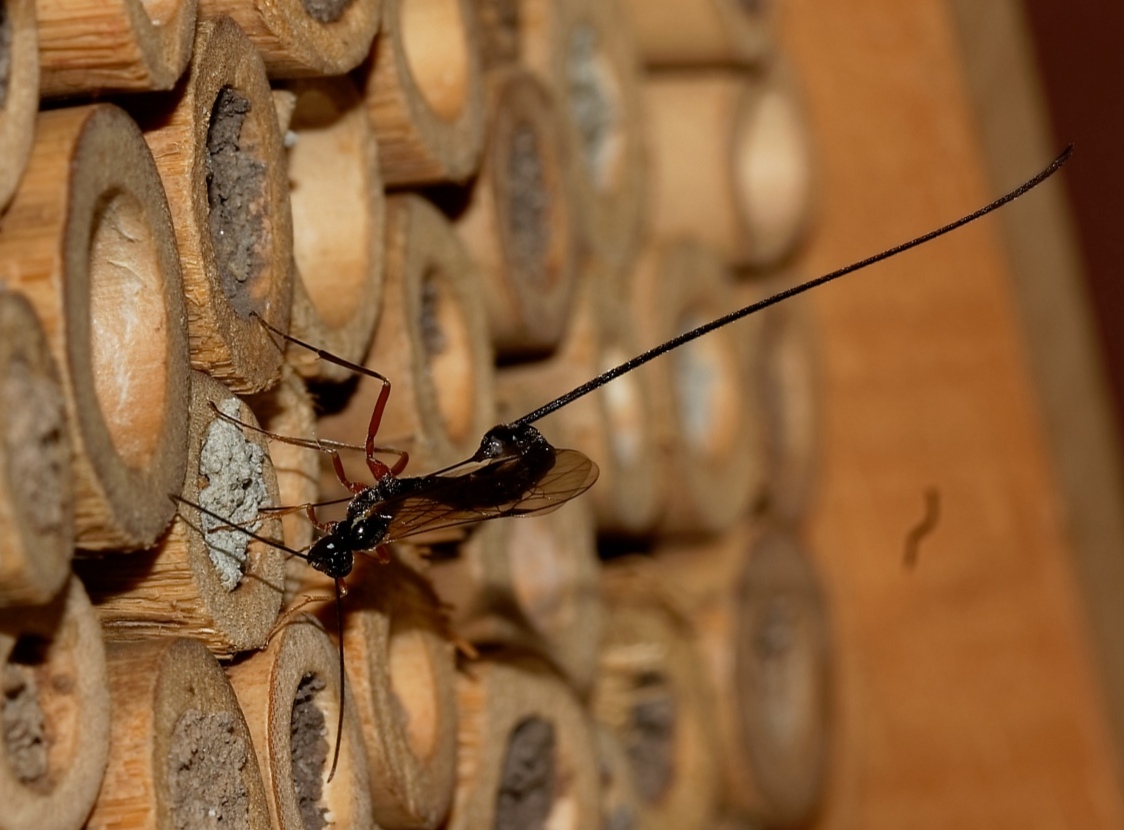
585	53
757	611
527	753
651	694
56	712
89	241
519	224
180	750
95	46
19	91
700	33
709	430
220	157
339	223
225	589
614	426
36	491
290	694
298	38
532	584
732	160
499	32
424	91
431	342
400	662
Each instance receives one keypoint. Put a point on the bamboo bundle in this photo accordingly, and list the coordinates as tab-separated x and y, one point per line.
205	580
220	157
56	712
95	46
425	93
700	33
620	804
290	693
297	38
519	224
527	753
89	241
748	187
709	430
757	612
432	341
19	91
181	753
336	194
36	493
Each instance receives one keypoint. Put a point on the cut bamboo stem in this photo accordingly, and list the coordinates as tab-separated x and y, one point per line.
527	753
650	693
19	91
424	91
298	38
432	343
585	53
290	694
519	223
531	584
180	751
339	223
731	158
89	241
757	611
614	426
220	156
56	715
222	588
709	430
36	492
95	46
700	33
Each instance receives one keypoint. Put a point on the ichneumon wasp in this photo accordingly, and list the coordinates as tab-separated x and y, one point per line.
515	471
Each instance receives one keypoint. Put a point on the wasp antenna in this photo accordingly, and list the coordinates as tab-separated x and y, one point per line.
343	682
256	536
706	328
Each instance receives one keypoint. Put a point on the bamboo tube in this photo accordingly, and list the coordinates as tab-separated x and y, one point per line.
527	753
424	91
620	804
298	38
55	712
498	22
180	751
401	672
339	211
95	46
615	426
757	612
651	695
531	584
585	53
36	494
703	32
19	91
224	590
89	241
709	430
290	694
219	154
431	342
747	188
519	223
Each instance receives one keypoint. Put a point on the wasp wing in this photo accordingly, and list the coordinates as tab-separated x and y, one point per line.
442	501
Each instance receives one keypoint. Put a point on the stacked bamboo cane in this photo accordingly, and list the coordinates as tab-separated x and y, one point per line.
488	203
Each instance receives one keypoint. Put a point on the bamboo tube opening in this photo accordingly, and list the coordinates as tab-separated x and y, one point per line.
33	757
529	790
649	735
595	107
309	747
448	354
526	206
127	298
19	90
707	379
206	757
435	43
414	683
326	11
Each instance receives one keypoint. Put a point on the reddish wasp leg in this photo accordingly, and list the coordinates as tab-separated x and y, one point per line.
378	469
287	616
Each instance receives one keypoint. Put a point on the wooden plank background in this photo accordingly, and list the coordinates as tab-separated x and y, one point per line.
968	694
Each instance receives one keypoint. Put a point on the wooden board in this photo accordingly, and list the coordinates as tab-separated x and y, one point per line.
968	694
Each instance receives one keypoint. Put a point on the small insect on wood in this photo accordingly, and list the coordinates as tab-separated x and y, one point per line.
515	471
